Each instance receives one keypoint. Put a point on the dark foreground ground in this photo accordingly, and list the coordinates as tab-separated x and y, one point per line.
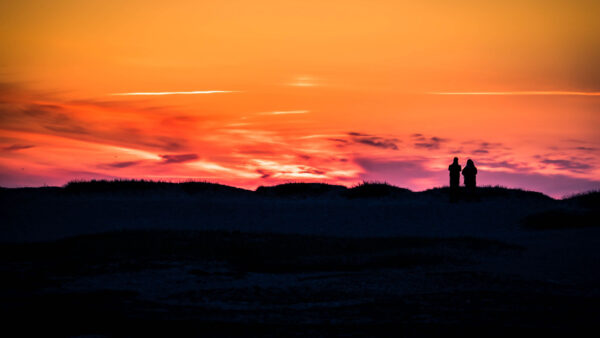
221	284
415	265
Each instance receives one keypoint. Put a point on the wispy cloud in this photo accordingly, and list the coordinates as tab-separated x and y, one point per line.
523	93
285	112
303	81
565	164
321	136
374	141
212	167
274	169
16	147
504	164
167	159
421	141
77	122
196	92
120	165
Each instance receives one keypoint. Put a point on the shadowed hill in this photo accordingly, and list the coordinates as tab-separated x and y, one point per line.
278	253
493	192
386	190
144	186
373	209
578	211
296	189
93	257
362	190
375	190
590	199
301	190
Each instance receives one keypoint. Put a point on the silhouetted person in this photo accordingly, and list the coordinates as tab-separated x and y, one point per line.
469	172
454	170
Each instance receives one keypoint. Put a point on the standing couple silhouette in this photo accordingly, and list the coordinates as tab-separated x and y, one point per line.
469	173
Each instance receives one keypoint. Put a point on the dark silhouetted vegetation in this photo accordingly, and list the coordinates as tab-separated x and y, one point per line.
590	199
492	192
295	189
146	186
376	189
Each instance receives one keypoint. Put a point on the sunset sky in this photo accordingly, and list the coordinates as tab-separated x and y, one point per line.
251	93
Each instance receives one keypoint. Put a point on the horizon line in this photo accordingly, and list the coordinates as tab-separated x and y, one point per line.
183	180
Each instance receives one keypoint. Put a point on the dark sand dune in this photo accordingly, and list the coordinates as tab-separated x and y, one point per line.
138	258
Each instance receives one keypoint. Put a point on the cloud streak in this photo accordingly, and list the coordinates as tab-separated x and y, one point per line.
429	144
78	123
16	147
563	164
374	141
168	159
196	92
289	112
303	81
120	165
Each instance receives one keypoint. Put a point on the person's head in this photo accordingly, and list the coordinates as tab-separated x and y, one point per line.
470	163
455	160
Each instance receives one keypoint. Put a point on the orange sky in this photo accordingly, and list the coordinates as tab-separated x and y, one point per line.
328	91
